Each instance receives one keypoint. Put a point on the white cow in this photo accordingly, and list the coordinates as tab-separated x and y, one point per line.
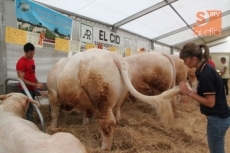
25	26
18	135
39	29
98	81
154	72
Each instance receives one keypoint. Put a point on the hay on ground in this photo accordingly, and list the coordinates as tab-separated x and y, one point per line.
140	131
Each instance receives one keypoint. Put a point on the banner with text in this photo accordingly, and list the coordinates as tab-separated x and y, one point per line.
48	23
101	38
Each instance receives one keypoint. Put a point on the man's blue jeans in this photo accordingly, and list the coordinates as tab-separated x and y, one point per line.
29	113
216	130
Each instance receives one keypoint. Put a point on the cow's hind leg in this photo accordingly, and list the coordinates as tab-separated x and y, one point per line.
85	119
107	125
121	100
85	107
55	110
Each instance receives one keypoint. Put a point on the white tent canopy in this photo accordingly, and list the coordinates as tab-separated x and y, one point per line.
168	22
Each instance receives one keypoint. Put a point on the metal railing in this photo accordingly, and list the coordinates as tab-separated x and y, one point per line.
28	95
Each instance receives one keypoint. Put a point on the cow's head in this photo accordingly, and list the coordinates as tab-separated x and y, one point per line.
17	103
192	78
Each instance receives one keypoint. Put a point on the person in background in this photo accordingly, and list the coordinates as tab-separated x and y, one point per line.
26	71
41	38
210	61
225	74
209	94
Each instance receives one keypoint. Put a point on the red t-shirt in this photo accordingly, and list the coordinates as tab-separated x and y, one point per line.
28	67
211	63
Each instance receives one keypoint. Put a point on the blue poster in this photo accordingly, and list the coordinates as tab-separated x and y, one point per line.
36	18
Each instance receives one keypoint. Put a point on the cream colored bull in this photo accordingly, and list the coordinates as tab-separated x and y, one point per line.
181	69
18	135
97	81
153	73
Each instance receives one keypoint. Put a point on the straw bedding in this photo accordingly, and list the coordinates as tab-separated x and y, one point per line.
140	131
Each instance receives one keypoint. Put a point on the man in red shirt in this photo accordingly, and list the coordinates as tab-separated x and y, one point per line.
26	71
210	61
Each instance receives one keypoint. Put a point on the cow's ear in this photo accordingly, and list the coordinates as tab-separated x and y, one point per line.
2	97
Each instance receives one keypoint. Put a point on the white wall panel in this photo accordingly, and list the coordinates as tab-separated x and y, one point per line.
158	47
221	48
136	42
166	50
44	59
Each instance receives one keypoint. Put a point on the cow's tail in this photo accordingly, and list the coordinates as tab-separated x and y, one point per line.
174	69
160	102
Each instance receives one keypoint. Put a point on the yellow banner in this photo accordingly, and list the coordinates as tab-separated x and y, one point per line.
128	51
88	46
16	36
113	49
62	44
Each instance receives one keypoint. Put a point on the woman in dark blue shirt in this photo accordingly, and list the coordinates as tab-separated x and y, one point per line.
210	94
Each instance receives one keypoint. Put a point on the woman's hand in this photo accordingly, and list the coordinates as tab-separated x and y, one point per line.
184	89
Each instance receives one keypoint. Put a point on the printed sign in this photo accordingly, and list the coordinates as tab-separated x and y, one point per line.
88	46
97	36
212	27
86	34
36	18
113	49
74	46
15	36
35	39
128	52
106	38
61	44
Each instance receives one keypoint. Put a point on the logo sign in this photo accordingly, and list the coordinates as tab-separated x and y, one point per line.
102	38
106	38
86	34
211	28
